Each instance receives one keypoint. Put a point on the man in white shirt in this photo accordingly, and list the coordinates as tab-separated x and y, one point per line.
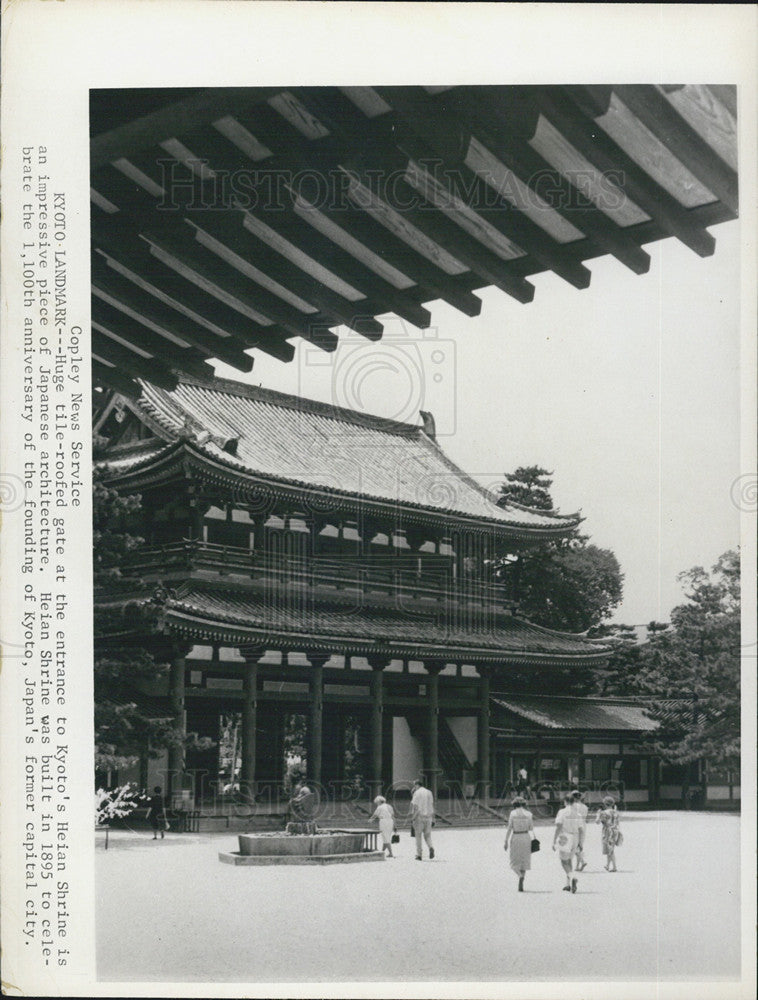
582	810
422	817
568	839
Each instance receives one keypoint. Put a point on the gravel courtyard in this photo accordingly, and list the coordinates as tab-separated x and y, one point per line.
169	910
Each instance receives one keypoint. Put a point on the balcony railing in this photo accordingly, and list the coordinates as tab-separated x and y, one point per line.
419	575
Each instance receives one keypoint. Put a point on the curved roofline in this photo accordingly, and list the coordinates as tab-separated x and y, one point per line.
301	403
360	419
229	465
155	407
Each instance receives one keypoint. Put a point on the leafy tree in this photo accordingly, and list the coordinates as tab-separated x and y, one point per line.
692	669
127	725
620	676
565	584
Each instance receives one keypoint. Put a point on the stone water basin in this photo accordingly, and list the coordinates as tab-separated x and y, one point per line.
323	847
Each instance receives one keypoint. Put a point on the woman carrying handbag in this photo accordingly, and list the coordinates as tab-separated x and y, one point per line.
385	814
519	835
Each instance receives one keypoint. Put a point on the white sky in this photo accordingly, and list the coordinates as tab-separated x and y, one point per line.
628	391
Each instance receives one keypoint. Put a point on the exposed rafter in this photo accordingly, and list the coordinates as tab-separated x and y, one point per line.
237	220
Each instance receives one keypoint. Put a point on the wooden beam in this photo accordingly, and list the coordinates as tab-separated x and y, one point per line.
609	158
594	101
711	214
444	134
133	364
668	126
122	294
174	119
727	95
389	246
208	272
552	187
707	115
129	255
280	216
384	157
111	378
241	242
204	269
176	359
304	160
541	251
291	229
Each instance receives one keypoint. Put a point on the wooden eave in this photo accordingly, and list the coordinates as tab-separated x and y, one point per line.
213	271
184	460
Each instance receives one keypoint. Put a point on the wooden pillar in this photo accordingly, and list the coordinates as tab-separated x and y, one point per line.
431	750
377	711
197	516
484	735
176	700
316	742
258	520
249	722
432	725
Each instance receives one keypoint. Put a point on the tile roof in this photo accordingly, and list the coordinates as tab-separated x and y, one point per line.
416	625
119	462
318	445
574	713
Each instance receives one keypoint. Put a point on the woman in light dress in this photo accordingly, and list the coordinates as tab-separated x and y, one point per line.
385	814
611	833
519	835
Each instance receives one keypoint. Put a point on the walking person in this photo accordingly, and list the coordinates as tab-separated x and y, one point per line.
385	815
156	813
611	833
519	835
422	817
578	799
569	835
522	781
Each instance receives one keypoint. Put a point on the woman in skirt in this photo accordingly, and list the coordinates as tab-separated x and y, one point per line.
385	814
611	834
519	835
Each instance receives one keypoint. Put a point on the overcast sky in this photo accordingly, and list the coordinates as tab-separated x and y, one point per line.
628	391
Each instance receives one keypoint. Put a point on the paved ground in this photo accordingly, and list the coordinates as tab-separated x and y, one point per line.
170	910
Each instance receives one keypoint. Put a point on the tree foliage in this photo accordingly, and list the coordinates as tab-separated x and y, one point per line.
127	722
620	676
566	584
692	669
529	485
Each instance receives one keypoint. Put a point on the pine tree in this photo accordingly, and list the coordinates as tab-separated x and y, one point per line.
692	669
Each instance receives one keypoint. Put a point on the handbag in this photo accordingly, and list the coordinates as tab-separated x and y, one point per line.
395	838
535	845
413	832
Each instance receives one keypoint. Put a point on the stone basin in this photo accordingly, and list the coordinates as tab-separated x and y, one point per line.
324	847
314	845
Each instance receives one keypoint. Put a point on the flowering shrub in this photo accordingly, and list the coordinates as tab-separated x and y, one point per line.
116	803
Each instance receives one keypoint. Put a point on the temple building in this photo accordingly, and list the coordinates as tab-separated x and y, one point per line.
329	588
312	561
